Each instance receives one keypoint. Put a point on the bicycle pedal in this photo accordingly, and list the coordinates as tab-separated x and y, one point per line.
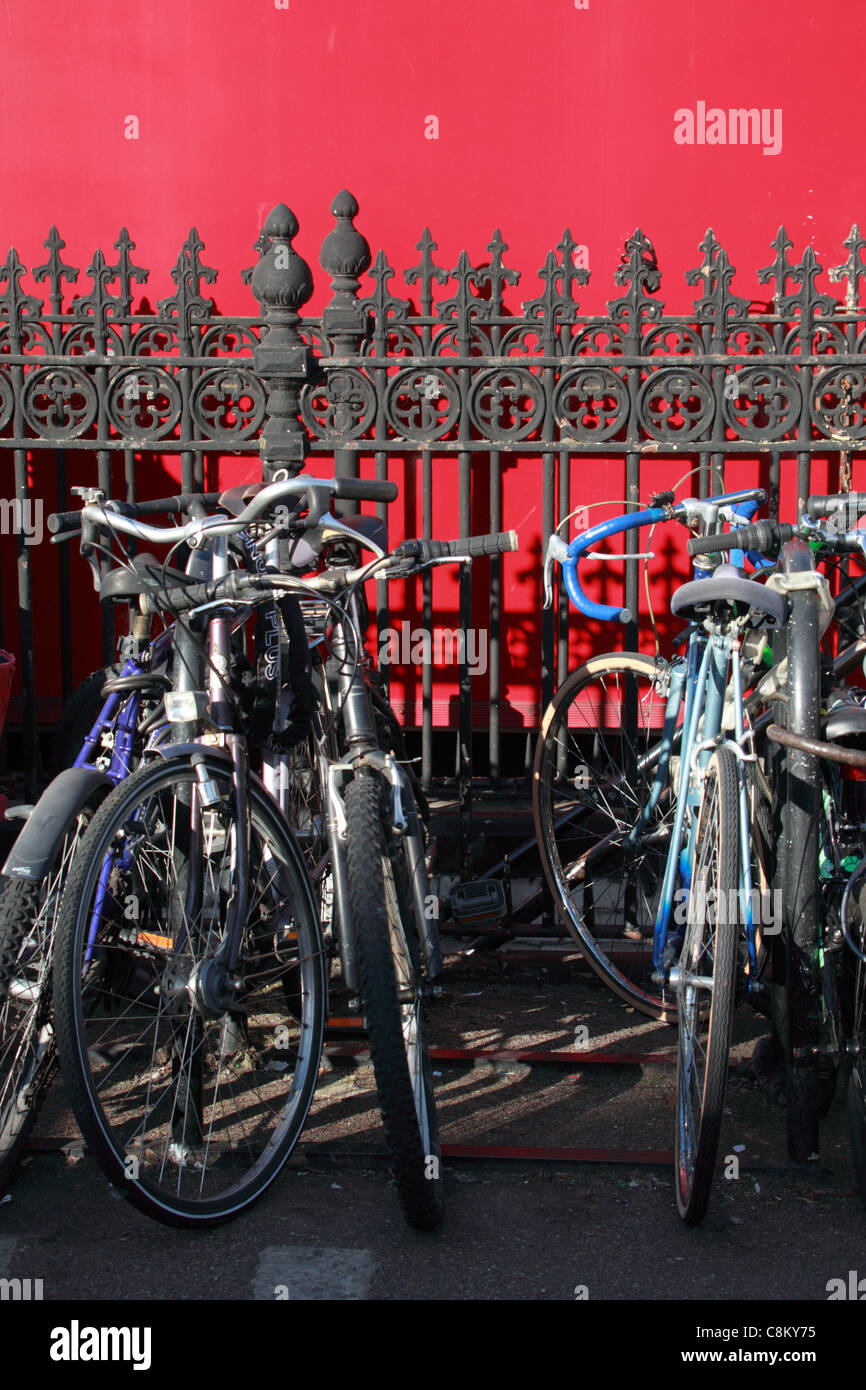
478	906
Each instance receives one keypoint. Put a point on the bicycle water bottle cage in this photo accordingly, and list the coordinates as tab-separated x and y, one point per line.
695	601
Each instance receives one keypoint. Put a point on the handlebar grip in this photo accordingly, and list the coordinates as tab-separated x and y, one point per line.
822	504
237	584
59	522
496	543
762	536
365	490
171	505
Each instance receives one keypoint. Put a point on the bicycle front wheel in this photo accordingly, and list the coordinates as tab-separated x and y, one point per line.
389	966
603	843
705	993
190	1085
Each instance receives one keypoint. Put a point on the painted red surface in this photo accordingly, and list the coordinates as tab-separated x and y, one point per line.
550	113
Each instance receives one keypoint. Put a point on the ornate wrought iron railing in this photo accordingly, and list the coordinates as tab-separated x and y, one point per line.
458	368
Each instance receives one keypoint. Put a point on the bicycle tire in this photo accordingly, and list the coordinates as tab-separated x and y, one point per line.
24	1075
854	1025
855	1107
390	977
306	811
709	953
584	735
28	1057
191	1110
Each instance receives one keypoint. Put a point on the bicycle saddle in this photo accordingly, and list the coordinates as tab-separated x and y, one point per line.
369	528
146	575
726	585
846	719
234	499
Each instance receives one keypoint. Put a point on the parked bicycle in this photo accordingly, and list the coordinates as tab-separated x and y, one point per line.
606	768
223	954
100	740
819	731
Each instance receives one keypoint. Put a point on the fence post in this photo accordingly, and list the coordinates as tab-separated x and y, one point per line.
345	255
282	282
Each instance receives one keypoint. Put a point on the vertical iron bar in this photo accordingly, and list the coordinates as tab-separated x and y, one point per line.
383	605
563	612
704	479
427	624
548	524
775	481
64	596
464	789
25	622
494	657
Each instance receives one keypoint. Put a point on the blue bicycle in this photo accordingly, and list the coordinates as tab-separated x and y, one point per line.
647	790
606	771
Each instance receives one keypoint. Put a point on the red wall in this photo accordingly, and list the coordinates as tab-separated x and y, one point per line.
548	114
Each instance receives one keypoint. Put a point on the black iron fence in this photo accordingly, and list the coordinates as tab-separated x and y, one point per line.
454	370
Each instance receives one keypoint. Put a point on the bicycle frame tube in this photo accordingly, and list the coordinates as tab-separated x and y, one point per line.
663	753
699	657
745	833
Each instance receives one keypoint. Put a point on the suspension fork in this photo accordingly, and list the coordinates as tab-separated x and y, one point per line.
361	736
219	664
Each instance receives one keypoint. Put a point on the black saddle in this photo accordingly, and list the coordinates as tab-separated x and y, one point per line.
696	600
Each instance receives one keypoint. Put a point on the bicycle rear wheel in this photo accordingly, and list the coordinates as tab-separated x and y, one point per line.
705	992
595	765
191	1089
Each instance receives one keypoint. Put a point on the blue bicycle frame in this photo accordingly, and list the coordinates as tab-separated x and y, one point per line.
122	726
698	682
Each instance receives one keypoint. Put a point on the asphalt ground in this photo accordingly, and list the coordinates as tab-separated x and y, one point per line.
331	1227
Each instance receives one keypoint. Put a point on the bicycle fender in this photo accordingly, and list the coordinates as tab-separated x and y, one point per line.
59	804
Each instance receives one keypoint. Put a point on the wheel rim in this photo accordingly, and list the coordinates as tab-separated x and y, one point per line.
587	809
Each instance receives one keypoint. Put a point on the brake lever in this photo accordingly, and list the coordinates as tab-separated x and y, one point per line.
557	549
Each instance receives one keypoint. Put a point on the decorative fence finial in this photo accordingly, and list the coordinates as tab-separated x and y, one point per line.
282	282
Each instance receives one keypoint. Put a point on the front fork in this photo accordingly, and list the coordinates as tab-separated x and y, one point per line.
706	680
363	751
